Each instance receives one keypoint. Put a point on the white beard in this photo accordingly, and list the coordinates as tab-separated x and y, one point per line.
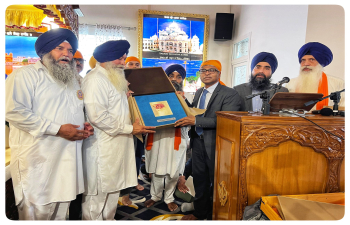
308	81
63	74
116	76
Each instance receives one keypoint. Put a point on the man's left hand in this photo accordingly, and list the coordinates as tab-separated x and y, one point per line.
89	129
189	120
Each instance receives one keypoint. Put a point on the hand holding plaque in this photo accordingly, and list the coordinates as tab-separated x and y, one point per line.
139	129
186	121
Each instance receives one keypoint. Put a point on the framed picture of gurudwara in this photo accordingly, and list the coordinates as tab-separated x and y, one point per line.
166	38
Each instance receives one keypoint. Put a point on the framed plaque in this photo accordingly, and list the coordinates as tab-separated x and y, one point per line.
166	38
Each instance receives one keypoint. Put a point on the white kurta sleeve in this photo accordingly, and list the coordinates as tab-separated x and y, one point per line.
96	101
20	91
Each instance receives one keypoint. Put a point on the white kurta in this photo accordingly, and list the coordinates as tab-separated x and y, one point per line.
44	167
334	84
110	151
162	159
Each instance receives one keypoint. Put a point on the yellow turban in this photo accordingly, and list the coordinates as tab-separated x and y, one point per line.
215	63
132	58
92	62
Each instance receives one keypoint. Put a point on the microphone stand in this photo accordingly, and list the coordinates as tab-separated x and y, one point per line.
335	96
265	96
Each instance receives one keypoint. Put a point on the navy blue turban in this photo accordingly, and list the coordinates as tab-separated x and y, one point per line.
49	40
111	50
322	53
265	57
176	67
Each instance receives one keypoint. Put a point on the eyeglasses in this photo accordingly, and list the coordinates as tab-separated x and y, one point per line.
80	60
211	70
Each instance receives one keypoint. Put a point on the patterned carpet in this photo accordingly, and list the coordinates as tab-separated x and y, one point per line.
159	211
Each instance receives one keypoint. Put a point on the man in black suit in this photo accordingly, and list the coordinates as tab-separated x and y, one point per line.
263	66
213	97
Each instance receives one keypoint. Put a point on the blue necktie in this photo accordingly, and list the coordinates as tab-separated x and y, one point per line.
199	130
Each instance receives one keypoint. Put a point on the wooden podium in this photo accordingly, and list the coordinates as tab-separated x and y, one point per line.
258	155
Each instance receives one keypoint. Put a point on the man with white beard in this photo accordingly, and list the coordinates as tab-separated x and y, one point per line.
313	57
108	156
44	106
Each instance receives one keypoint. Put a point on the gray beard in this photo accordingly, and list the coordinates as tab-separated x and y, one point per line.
116	76
63	74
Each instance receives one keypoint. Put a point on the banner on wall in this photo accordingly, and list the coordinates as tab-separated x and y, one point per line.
19	51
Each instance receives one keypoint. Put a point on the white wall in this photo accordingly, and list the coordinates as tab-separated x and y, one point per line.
326	24
127	15
279	29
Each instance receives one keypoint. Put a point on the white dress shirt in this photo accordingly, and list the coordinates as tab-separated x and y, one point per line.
209	94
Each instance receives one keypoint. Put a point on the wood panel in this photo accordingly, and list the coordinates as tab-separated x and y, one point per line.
276	155
342	176
227	161
288	168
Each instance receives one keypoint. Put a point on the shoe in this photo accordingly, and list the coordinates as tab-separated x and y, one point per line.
185	207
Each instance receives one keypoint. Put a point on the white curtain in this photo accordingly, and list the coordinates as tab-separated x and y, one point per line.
105	32
98	34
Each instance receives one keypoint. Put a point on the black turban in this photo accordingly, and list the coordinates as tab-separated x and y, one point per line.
322	53
49	40
111	50
265	57
176	67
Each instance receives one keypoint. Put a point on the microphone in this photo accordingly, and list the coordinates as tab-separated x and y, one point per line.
283	81
323	112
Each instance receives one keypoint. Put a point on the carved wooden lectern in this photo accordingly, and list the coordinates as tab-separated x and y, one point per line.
259	155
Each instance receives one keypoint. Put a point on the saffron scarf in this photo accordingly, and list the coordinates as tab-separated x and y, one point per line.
177	140
323	89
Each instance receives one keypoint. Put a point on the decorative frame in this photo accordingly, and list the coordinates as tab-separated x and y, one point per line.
241	61
163	50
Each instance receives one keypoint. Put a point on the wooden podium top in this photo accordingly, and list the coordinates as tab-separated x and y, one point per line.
276	118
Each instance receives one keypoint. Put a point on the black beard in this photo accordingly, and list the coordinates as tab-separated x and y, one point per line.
259	85
177	86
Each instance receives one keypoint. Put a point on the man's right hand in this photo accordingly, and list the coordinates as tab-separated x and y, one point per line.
71	133
139	129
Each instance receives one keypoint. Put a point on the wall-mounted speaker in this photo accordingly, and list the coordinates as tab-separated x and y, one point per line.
223	26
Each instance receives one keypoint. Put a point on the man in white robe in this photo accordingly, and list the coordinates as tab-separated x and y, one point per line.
313	57
109	155
165	157
44	106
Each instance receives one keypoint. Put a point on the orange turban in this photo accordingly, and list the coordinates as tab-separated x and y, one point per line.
132	58
78	55
215	63
92	62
